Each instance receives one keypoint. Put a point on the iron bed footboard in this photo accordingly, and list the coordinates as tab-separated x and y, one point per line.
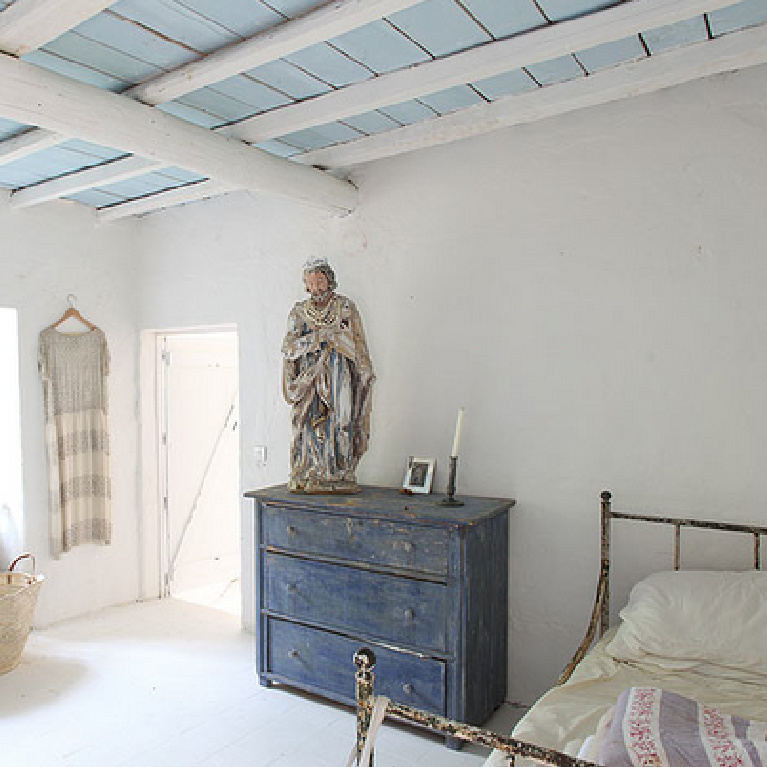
364	658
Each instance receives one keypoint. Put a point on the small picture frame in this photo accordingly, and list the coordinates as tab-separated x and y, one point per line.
419	474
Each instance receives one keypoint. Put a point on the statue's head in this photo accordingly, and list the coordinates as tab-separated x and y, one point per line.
319	266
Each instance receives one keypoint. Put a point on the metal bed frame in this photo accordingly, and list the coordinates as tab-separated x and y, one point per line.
599	621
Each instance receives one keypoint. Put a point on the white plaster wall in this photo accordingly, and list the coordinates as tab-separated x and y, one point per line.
589	287
49	252
233	262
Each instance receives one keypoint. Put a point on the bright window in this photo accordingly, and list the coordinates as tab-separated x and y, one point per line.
11	508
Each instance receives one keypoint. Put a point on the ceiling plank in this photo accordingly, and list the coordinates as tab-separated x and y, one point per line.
31	95
487	60
167	199
331	20
29	24
734	51
99	175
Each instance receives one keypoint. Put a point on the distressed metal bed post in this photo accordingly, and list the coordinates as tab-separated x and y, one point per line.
365	660
604	615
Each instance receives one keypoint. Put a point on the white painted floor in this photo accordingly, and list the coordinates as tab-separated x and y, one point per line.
170	684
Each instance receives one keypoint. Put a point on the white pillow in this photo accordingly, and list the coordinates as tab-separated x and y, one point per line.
695	619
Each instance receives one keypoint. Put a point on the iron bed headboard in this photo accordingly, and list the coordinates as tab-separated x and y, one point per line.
600	616
599	621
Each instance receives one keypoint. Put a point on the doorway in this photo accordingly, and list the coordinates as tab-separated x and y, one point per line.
199	482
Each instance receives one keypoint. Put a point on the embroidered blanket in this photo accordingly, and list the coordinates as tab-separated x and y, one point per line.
650	727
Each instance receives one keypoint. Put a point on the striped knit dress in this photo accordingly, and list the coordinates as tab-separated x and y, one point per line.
74	369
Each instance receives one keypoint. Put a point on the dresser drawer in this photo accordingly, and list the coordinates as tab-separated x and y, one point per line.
322	660
388	607
373	541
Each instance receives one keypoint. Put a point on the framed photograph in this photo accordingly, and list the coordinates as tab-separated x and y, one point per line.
419	474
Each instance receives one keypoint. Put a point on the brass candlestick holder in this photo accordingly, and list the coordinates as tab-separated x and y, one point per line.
450	499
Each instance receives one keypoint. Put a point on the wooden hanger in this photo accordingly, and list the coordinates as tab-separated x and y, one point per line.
72	313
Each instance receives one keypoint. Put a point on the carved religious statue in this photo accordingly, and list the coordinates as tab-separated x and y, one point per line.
327	379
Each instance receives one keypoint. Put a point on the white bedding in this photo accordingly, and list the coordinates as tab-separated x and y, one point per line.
565	716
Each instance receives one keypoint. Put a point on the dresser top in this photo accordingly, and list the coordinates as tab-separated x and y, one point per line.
391	503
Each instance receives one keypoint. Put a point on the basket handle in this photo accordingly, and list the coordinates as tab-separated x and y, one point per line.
18	559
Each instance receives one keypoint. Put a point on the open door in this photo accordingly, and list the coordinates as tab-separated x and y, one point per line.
199	460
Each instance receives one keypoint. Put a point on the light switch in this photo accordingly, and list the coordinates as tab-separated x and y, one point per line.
259	455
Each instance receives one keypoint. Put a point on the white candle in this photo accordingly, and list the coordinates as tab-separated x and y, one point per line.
458	429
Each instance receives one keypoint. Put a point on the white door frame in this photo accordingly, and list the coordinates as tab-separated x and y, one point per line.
153	557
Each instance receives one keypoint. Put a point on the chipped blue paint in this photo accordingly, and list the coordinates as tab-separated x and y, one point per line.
289	79
242	17
101	58
133	40
9	128
505	84
380	47
151	183
48	163
505	18
13	177
181	174
74	71
213	101
95	198
556	70
92	150
440	26
451	99
321	136
257	96
675	35
329	65
610	54
409	112
292	8
191	114
738	16
558	10
372	122
176	22
278	148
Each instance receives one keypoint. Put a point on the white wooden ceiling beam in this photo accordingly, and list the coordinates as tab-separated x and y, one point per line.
99	175
330	20
471	65
167	199
29	24
32	95
734	51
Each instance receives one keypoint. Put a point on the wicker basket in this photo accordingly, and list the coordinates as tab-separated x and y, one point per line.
18	596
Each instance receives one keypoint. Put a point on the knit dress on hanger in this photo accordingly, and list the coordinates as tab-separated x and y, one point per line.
74	369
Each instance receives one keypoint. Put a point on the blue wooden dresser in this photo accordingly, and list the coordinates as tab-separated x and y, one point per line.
425	586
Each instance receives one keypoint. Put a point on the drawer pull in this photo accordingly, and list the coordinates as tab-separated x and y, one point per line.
407	688
408	546
294	654
292	530
292	588
410	613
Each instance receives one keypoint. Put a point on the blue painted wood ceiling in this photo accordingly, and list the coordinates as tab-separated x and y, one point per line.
134	42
